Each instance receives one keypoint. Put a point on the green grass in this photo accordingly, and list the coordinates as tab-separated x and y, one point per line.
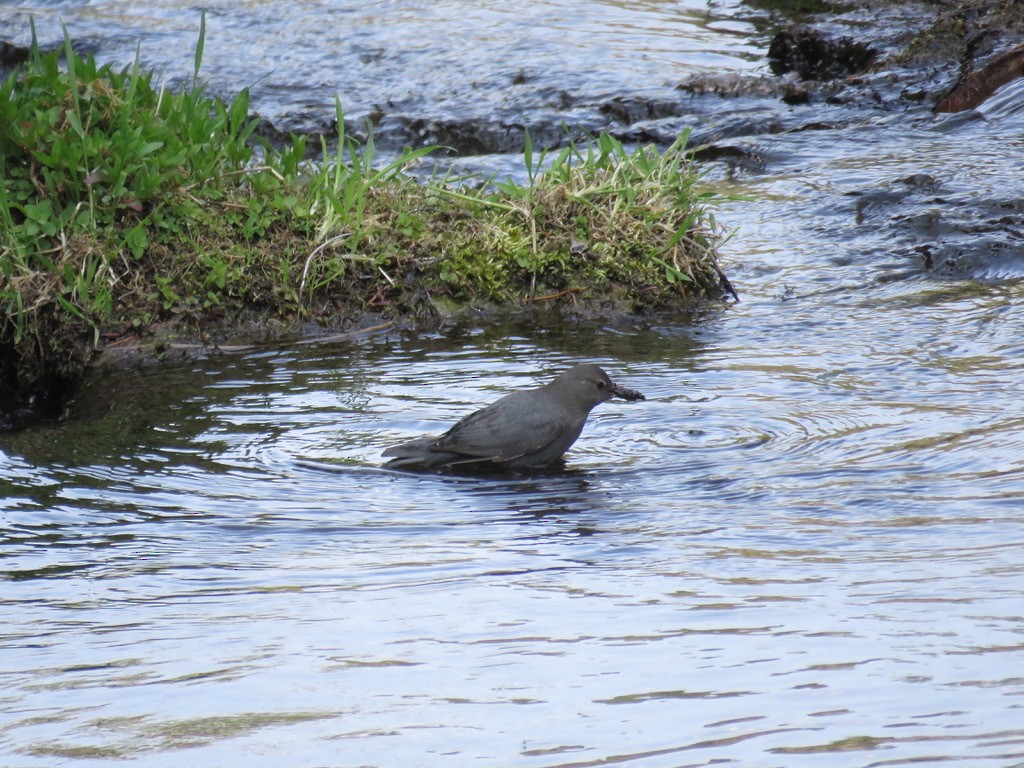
125	205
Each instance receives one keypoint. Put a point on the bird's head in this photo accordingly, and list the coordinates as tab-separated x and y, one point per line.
588	385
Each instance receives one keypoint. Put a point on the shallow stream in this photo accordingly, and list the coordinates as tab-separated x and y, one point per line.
804	549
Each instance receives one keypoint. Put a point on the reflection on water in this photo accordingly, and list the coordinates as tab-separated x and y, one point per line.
805	542
802	549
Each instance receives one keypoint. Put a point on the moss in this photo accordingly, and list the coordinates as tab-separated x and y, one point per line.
960	29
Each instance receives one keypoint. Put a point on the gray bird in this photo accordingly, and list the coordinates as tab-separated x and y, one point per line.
532	428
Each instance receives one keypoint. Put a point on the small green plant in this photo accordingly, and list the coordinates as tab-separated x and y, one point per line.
87	149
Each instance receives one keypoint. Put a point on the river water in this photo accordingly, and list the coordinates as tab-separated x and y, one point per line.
803	549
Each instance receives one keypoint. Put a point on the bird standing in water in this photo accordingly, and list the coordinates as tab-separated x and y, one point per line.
533	428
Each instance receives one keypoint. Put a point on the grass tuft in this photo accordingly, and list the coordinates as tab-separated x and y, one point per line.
125	205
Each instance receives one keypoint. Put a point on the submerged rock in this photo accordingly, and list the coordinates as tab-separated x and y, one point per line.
813	55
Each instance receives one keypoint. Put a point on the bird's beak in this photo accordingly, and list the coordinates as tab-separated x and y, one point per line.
625	393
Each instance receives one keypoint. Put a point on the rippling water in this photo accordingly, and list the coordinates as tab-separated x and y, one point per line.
801	545
803	549
482	60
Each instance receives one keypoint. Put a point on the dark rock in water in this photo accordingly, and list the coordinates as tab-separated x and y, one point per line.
815	56
12	55
526	429
632	109
977	86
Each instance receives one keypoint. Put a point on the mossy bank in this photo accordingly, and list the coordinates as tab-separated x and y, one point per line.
126	207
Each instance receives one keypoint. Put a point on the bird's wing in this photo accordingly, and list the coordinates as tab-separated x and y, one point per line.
504	430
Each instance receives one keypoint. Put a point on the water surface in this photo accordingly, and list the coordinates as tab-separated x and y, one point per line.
802	550
408	65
